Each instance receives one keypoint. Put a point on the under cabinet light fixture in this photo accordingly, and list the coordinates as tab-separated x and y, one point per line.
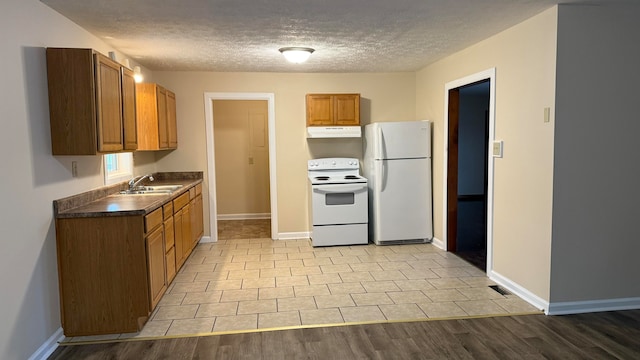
296	55
137	74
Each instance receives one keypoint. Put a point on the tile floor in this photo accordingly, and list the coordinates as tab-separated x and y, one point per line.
246	283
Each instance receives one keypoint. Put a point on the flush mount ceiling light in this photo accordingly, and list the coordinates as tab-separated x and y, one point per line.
296	55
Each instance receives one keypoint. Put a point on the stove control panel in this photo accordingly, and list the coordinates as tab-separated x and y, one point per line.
333	163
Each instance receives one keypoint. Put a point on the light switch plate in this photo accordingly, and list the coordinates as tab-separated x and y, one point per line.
497	148
547	114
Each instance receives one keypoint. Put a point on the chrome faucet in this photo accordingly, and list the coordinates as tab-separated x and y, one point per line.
133	183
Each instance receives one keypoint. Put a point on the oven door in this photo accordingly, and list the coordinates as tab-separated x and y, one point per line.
335	204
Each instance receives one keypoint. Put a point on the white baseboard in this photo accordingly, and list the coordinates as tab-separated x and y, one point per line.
48	347
578	307
523	293
206	239
293	235
244	216
438	243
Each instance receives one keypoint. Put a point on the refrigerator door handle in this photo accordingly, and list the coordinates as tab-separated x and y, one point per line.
382	175
381	148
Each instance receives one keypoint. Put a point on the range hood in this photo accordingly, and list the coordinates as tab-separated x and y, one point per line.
334	132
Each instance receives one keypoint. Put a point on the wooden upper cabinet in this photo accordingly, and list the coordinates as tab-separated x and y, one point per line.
156	117
319	110
333	109
163	133
172	124
108	104
85	102
129	109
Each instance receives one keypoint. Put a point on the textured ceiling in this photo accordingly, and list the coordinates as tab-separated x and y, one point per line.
241	35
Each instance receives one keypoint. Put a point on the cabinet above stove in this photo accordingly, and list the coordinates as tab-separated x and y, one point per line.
333	115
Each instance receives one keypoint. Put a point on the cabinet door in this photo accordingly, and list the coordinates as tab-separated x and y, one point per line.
169	248
197	226
156	262
72	113
171	265
172	125
319	110
178	236
147	116
129	110
187	238
347	109
169	233
163	136
108	104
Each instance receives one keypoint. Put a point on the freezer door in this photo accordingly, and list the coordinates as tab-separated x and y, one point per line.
399	140
401	200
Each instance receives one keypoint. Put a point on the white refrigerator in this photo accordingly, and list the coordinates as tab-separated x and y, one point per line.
397	164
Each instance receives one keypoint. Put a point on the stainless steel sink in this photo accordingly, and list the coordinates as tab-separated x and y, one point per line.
151	189
160	187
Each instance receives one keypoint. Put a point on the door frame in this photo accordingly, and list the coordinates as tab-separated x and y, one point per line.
209	97
489	74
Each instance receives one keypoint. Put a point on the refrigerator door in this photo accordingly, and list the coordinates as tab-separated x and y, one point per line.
399	140
401	200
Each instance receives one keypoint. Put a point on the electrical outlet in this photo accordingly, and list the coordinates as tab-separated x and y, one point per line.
74	168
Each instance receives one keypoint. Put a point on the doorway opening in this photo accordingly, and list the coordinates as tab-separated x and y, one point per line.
240	131
469	168
242	168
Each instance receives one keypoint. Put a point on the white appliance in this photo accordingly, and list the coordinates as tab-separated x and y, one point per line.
397	163
334	132
338	203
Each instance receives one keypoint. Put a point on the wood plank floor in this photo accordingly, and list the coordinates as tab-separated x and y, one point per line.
606	335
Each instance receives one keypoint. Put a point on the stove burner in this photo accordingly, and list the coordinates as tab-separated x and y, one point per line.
321	178
351	177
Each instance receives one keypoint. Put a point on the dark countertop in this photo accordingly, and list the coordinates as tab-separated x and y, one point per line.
107	200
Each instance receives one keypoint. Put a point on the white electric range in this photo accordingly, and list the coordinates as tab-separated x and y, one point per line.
338	202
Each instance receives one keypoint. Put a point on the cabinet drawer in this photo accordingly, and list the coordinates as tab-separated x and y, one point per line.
180	201
152	220
198	189
167	210
192	193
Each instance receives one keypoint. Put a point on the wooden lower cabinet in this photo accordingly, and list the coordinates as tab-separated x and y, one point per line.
179	243
170	257
169	248
184	250
156	262
197	216
182	224
103	274
113	270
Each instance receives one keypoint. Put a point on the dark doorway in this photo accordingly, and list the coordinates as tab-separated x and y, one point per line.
467	172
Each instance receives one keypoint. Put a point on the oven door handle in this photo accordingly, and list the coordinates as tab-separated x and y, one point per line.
328	189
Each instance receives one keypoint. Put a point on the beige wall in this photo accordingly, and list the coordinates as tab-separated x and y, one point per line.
242	157
32	178
389	96
524	58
